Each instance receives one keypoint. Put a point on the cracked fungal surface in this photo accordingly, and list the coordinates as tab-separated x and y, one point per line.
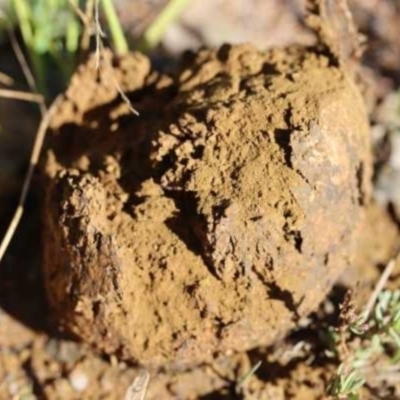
217	218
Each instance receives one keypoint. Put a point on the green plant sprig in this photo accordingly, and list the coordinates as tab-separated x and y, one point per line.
51	31
366	337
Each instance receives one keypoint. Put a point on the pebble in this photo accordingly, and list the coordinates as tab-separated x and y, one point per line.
79	380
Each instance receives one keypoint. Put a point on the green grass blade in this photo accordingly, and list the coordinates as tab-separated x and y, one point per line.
154	32
117	33
23	13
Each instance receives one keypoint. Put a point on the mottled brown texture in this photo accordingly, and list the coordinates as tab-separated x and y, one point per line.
214	220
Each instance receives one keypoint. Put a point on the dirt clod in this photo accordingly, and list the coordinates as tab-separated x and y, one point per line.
217	218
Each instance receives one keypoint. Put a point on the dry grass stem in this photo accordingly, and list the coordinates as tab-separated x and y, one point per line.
82	16
24	96
380	285
86	18
99	34
25	68
5	79
88	30
37	147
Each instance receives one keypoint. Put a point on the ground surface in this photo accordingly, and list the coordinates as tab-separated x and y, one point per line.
37	362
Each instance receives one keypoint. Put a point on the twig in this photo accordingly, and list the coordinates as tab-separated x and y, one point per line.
379	286
37	147
24	96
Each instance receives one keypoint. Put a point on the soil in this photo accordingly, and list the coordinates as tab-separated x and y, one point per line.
42	366
157	227
165	238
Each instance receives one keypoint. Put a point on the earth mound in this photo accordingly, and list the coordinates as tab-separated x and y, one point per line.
215	219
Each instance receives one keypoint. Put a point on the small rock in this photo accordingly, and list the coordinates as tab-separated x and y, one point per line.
79	380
